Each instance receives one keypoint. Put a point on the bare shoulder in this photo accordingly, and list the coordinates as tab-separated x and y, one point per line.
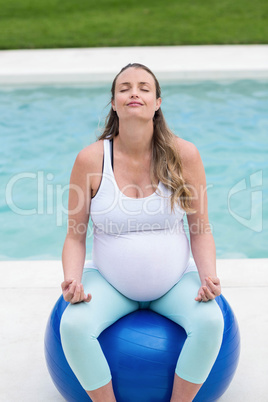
187	150
90	158
190	158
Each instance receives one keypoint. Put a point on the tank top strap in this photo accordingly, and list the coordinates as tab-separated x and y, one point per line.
107	166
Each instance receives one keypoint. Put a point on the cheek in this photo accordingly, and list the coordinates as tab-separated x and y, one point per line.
119	99
152	101
153	105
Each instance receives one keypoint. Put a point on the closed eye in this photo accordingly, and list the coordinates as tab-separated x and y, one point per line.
145	90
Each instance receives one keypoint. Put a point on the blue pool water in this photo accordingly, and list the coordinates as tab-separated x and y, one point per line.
42	130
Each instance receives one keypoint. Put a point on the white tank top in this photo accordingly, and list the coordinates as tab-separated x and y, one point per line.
139	245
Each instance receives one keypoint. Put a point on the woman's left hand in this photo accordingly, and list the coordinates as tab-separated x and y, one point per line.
210	290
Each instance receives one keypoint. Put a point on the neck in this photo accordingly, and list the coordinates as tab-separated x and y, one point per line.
135	138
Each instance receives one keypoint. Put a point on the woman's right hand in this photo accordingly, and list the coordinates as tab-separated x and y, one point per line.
73	292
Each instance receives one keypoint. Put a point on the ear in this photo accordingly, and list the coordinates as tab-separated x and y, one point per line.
158	103
113	105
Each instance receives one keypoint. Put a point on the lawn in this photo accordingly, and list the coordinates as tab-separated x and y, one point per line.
32	24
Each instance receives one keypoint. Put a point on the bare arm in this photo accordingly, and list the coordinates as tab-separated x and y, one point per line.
74	249
201	237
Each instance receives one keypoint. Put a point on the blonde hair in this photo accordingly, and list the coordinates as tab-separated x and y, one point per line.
166	162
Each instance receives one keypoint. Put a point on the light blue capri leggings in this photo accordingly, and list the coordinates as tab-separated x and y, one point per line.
82	323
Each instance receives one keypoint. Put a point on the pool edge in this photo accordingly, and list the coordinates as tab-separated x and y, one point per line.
169	63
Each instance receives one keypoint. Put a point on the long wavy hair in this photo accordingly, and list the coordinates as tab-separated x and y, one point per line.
166	163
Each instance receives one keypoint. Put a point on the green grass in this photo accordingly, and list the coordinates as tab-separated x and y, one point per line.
31	24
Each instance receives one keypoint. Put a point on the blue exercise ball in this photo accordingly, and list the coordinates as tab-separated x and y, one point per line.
142	350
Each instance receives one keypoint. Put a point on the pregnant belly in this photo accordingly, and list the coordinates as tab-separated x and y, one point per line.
142	266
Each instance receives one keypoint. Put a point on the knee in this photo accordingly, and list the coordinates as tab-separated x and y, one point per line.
213	325
75	323
209	326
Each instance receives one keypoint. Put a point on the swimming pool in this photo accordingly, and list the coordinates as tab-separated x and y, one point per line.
43	129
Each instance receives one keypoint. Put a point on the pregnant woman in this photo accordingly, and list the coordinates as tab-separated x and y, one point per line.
136	183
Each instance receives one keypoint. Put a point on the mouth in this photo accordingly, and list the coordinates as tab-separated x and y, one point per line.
134	104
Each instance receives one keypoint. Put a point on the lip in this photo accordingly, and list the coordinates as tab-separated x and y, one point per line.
134	104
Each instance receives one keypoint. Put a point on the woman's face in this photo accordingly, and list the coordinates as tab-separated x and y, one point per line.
135	95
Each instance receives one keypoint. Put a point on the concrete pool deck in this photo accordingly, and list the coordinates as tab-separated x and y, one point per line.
94	65
31	288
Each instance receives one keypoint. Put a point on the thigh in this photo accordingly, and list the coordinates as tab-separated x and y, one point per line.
106	306
179	304
203	323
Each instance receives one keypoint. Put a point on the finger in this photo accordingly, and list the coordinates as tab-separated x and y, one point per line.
215	289
210	285
71	291
81	294
200	295
66	283
88	298
204	297
85	298
214	279
75	296
208	294
82	290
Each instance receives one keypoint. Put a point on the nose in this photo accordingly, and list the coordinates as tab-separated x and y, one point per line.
134	93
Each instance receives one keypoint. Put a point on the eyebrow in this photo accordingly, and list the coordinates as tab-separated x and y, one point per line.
142	83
